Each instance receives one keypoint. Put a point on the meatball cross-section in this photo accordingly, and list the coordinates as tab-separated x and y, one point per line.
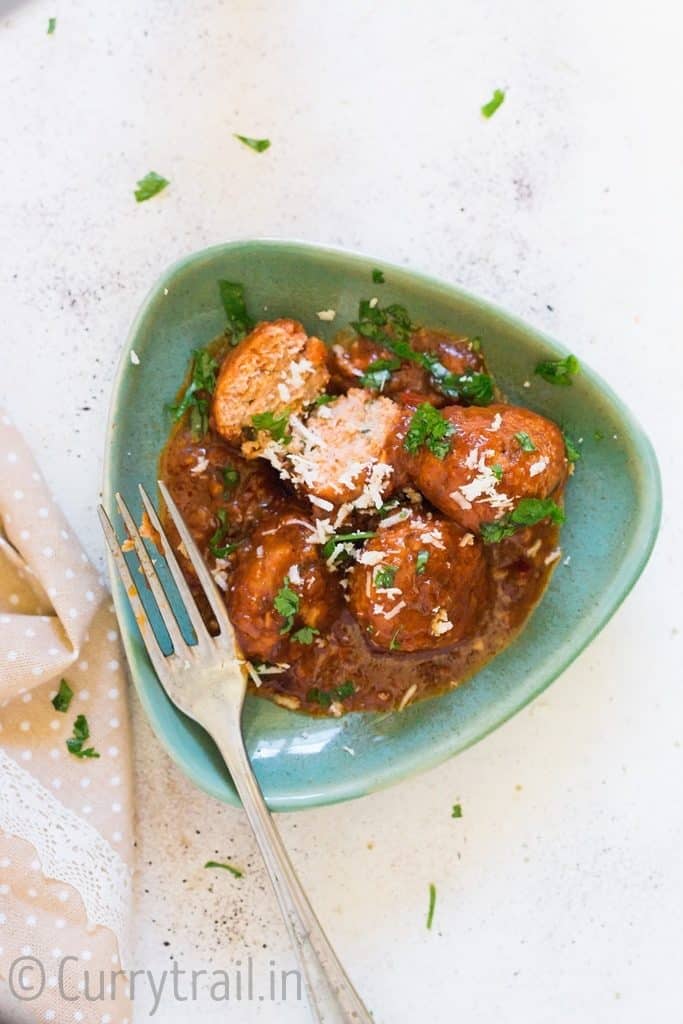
274	371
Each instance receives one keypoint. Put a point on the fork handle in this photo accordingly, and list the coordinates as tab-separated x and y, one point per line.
332	997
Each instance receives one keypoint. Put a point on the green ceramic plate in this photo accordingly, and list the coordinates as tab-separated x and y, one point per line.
613	509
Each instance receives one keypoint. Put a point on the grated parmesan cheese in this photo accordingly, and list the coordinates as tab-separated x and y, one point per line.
496	422
537	467
552	557
467	540
323	503
295	575
134	357
440	623
327	314
200	466
407	696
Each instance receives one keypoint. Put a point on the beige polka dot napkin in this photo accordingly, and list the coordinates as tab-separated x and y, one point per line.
65	814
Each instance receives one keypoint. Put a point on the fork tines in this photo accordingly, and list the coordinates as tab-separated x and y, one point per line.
181	647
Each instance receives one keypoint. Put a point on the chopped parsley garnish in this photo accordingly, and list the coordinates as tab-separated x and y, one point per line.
389	506
558	371
231	477
385	576
421	561
274	424
457	811
432	904
286	604
489	109
324	399
217	545
391	327
525	442
378	374
62	699
195	400
81	733
305	635
344	538
327	697
573	453
258	145
239	321
395	643
149	186
598	435
226	867
528	512
497	471
429	427
377	277
51	26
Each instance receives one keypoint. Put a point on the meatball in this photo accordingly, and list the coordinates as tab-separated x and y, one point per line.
421	584
351	361
498	455
344	452
276	370
281	596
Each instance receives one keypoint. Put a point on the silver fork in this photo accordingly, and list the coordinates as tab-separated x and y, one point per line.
207	680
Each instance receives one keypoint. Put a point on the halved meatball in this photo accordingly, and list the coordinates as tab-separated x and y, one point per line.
276	369
281	596
498	455
345	451
421	584
351	360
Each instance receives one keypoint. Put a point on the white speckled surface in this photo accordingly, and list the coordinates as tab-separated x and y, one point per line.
557	888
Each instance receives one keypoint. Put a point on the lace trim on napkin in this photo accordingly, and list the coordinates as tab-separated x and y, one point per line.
69	849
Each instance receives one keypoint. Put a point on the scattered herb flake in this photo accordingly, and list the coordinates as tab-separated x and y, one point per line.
558	371
489	109
81	733
378	373
324	399
525	442
395	643
258	145
497	471
384	576
327	697
63	697
528	512
195	400
429	427
305	635
457	811
377	277
344	538
572	451
274	424
231	477
432	904
226	867
234	304
51	26
217	545
421	561
149	186
598	435
286	604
